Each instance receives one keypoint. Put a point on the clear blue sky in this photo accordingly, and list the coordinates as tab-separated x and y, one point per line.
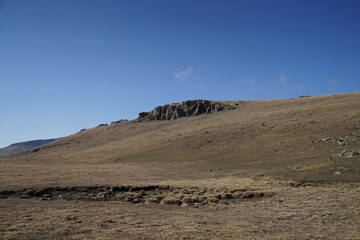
72	64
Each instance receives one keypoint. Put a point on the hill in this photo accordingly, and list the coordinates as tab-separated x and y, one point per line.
22	146
299	139
247	170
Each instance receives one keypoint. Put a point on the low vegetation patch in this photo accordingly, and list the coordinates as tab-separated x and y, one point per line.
151	194
171	201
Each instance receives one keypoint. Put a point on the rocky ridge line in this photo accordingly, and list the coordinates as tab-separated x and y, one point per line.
185	109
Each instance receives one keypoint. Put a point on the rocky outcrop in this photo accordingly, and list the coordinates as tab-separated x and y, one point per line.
185	109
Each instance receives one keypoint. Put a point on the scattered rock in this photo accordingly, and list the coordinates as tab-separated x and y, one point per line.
344	142
343	152
101	226
349	153
120	121
325	139
341	142
35	150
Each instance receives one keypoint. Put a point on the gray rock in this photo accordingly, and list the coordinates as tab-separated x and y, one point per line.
119	121
100	226
349	153
343	152
185	109
143	114
352	154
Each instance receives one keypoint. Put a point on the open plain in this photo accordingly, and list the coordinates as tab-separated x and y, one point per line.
277	169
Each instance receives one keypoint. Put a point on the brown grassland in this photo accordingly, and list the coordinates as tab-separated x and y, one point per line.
277	169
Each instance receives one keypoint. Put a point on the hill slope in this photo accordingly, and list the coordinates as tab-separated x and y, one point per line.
22	146
302	139
253	172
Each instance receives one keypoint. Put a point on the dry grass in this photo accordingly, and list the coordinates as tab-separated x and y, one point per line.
261	147
327	212
171	201
233	142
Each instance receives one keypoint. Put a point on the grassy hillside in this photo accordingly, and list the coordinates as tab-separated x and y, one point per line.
280	169
278	139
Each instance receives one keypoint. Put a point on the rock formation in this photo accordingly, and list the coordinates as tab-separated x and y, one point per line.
185	109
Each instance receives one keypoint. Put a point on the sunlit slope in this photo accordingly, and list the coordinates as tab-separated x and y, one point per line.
277	138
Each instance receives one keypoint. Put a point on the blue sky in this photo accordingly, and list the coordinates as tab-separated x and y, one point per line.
72	64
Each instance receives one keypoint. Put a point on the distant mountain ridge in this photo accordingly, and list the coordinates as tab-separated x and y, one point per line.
22	146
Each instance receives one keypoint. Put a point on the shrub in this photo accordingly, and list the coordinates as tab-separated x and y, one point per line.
129	199
187	199
227	196
159	198
171	201
213	200
195	199
202	199
125	195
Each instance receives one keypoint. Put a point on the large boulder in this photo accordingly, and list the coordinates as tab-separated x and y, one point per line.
185	109
143	114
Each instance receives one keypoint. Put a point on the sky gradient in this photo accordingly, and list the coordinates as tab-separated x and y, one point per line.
72	64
